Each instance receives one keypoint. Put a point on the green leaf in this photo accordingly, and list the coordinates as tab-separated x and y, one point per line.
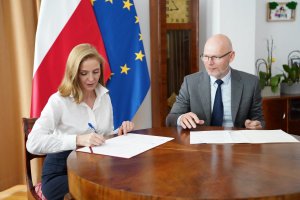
262	75
275	80
286	68
262	83
293	74
262	79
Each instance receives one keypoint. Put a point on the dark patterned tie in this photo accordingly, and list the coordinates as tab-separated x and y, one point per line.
218	110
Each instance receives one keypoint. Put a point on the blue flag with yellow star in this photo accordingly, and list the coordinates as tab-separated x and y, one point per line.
129	82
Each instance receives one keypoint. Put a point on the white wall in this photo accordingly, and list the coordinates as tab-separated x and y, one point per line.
244	21
236	19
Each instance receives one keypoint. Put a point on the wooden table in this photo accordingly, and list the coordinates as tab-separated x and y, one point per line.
179	170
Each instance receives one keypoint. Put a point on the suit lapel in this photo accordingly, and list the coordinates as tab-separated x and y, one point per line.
204	94
236	93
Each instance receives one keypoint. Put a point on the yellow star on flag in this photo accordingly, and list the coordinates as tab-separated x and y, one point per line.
141	37
111	1
139	56
92	2
127	4
137	19
125	69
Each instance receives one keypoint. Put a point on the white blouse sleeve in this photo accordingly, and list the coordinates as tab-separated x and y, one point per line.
41	139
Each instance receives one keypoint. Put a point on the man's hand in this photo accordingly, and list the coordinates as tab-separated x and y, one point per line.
190	120
253	124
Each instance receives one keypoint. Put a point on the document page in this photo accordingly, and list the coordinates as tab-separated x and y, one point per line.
240	136
208	137
268	136
127	146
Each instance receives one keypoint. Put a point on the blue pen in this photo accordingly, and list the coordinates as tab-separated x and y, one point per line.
92	127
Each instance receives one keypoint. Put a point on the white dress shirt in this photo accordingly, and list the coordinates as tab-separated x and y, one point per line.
226	97
63	119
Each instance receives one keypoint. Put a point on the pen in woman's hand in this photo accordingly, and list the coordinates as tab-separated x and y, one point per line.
91	149
95	131
92	127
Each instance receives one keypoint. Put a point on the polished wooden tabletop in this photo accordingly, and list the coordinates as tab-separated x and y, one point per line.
180	170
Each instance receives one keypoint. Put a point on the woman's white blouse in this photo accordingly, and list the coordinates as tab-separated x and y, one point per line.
63	119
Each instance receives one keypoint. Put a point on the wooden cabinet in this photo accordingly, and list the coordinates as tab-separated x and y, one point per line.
282	112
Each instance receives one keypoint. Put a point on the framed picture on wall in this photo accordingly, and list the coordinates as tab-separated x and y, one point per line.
281	11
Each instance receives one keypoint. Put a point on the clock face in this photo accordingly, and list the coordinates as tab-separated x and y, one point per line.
178	11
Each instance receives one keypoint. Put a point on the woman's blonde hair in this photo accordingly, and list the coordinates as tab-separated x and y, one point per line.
70	84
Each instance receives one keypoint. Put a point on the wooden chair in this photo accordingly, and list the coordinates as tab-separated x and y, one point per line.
34	191
32	194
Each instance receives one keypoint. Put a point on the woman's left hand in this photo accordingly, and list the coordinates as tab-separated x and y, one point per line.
125	127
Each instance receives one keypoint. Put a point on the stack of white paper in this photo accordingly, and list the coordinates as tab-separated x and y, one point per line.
240	136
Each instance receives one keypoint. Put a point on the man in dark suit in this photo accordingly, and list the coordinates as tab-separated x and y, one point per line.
219	96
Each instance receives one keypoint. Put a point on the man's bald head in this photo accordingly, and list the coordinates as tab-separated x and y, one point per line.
219	40
217	55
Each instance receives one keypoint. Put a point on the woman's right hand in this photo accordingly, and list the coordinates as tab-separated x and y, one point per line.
89	140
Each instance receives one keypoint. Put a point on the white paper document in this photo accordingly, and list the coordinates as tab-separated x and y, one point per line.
127	146
240	136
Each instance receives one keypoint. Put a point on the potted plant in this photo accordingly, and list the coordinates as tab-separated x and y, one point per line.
269	84
291	76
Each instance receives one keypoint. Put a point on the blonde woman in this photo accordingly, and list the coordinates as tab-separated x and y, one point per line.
65	123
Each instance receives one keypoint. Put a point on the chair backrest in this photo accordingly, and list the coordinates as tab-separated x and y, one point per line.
27	126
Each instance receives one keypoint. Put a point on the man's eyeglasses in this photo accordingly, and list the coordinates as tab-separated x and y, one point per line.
206	58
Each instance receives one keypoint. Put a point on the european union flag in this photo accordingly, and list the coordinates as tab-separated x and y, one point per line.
129	82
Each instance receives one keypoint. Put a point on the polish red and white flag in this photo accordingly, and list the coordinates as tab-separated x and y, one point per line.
62	25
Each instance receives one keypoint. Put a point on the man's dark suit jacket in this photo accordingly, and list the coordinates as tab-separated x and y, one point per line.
194	96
